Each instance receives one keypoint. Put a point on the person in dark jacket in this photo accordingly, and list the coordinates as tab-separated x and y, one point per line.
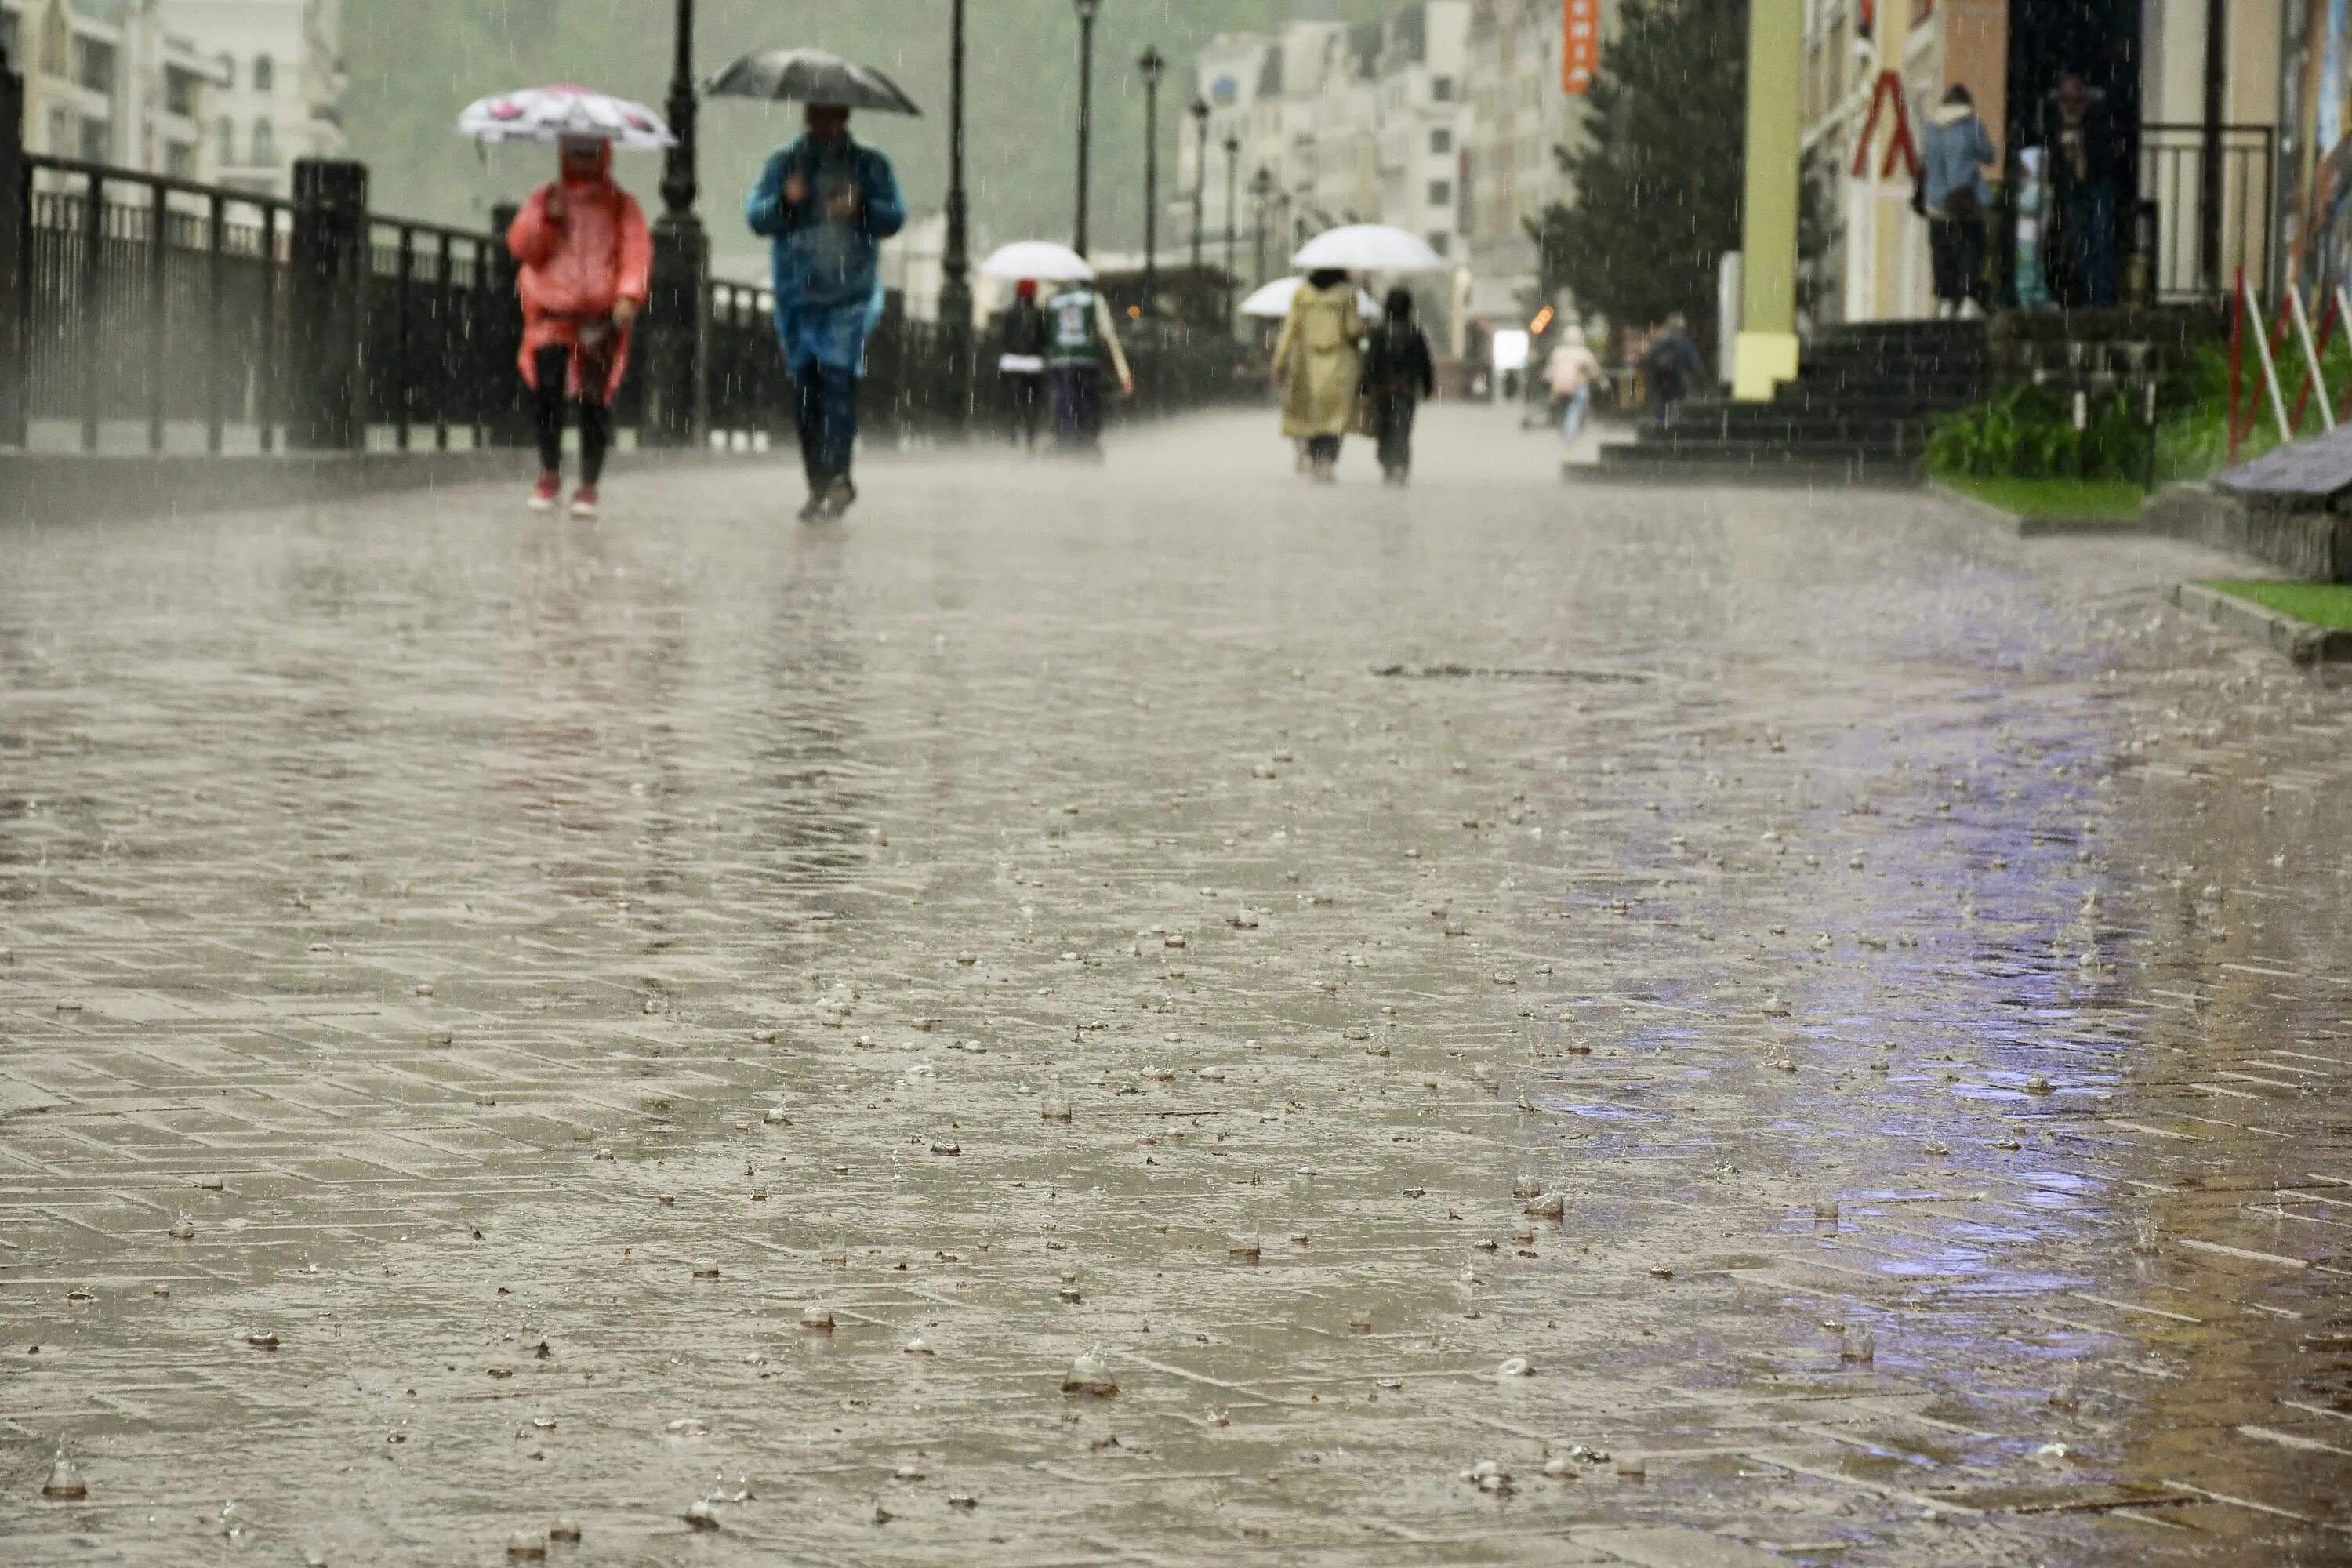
2087	161
1397	375
1022	362
1670	365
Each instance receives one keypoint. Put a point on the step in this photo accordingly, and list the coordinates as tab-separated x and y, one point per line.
1793	471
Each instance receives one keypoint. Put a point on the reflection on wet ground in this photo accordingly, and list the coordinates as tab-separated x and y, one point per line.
1802	1032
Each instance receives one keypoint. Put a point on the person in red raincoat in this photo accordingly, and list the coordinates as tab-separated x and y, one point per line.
587	261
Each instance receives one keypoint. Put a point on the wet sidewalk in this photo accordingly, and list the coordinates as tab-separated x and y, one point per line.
1514	1024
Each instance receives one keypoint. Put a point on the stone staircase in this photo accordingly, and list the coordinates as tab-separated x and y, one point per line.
1859	413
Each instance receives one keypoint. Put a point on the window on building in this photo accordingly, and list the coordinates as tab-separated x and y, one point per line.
1442	139
94	64
180	160
61	131
265	74
1441	88
180	91
9	37
225	134
228	73
265	144
97	142
1440	241
1440	191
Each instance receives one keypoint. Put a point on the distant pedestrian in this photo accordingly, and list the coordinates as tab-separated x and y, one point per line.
1570	372
1952	197
1397	375
1021	363
1671	365
827	201
1317	364
1081	338
587	263
2087	164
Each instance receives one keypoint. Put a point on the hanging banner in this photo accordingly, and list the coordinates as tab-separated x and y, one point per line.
1580	51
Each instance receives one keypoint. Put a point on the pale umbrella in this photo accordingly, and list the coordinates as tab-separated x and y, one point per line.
1038	259
551	113
810	76
1367	248
1273	302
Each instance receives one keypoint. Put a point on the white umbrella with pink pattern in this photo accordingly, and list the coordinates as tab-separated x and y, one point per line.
551	113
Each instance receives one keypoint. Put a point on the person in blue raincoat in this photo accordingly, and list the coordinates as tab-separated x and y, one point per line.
827	201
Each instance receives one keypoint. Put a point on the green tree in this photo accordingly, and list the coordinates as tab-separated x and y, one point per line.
1658	182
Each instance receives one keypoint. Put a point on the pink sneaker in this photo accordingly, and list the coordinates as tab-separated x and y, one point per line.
584	501
542	498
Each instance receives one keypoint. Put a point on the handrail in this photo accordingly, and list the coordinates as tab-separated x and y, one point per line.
109	173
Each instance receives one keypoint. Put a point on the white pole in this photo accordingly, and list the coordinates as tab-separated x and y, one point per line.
2262	326
2311	356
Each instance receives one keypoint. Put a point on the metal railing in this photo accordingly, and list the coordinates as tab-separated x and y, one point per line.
160	314
150	300
2212	217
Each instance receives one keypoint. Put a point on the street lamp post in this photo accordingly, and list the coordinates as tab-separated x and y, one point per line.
1199	113
1154	67
676	410
1261	188
955	266
1233	157
1086	9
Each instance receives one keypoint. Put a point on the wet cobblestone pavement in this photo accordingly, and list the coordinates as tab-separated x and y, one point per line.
1839	1012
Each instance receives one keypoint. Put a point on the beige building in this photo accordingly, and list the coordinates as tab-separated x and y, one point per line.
110	81
281	73
1878	266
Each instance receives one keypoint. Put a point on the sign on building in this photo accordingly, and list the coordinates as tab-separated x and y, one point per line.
1579	53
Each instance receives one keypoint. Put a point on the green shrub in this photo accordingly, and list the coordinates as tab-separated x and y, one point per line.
2028	432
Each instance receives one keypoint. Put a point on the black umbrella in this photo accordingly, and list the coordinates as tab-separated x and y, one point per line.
811	76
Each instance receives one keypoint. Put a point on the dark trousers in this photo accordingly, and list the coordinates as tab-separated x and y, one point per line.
1956	246
1027	390
1078	404
1323	448
2086	236
824	418
1665	393
1393	416
552	366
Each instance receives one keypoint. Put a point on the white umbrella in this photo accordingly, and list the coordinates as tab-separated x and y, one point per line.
1273	302
1367	248
551	113
1038	259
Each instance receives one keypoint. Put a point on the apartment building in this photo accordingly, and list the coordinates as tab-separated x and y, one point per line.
1425	122
278	63
110	81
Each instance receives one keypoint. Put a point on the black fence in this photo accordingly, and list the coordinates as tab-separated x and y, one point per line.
161	315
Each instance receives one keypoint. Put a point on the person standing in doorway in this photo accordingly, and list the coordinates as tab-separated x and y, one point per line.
1397	375
827	201
1080	336
1317	365
587	262
1571	373
1953	197
1021	362
2086	173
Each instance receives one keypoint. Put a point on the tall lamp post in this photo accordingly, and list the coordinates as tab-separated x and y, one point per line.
1261	188
676	411
1233	162
955	266
1152	67
1199	113
1086	9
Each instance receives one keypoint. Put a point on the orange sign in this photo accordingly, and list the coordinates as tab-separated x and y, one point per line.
1580	50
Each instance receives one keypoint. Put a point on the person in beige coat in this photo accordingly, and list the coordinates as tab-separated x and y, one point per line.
1316	364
